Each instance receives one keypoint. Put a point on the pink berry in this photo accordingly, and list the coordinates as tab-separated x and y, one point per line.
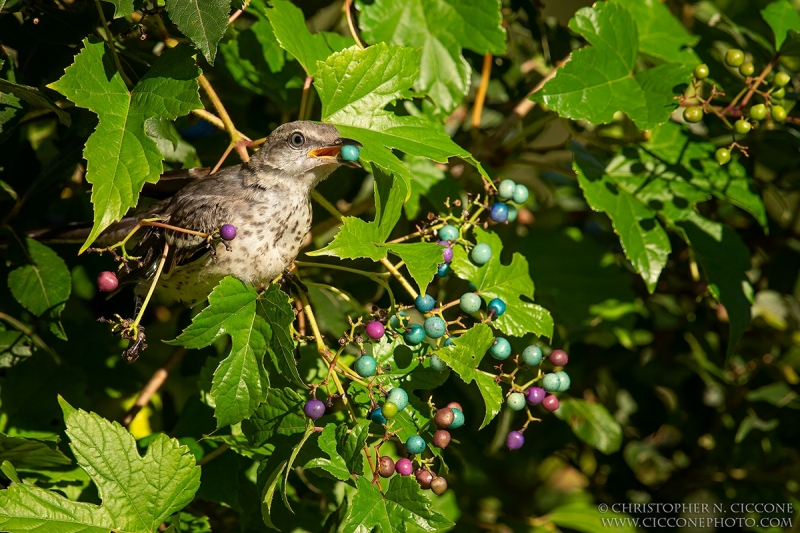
424	478
447	251
515	440
535	395
404	467
227	232
107	281
559	357
375	330
550	403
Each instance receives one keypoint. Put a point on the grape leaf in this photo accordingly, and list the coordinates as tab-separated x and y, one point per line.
592	423
34	98
44	284
336	465
495	280
661	35
121	157
782	17
202	21
138	493
430	182
643	239
440	28
289	26
403	504
274	307
27	454
601	79
240	381
121	7
464	358
356	85
280	414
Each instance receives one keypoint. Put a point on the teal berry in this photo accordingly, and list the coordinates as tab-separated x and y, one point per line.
415	444
551	382
506	189
449	233
377	416
444	270
520	194
512	213
532	355
516	401
366	366
481	254
565	381
415	335
458	419
350	152
437	364
496	306
501	349
399	397
470	302
449	342
398	322
435	327
424	303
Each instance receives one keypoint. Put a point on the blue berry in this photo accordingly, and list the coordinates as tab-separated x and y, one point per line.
415	444
437	364
449	233
458	419
532	355
481	254
565	381
497	306
449	341
520	194
512	213
551	382
435	327
501	349
515	440
350	152
399	397
506	189
444	270
424	303
227	232
516	401
377	416
366	366
415	335
470	302
499	212
398	322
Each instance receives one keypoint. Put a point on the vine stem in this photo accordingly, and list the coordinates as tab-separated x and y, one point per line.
156	381
235	135
348	4
399	277
213	454
210	118
302	114
152	288
329	207
758	81
25	330
109	38
480	97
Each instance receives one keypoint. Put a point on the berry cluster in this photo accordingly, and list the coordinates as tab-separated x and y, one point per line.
508	190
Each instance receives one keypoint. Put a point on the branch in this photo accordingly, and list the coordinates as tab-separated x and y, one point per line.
152	386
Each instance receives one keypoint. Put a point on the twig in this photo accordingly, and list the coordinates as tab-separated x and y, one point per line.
481	96
348	10
152	288
210	118
236	136
399	277
758	81
210	456
158	379
304	98
109	38
329	207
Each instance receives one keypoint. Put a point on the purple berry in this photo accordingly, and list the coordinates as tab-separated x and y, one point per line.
375	330
404	467
550	403
107	281
227	232
447	251
386	466
559	357
515	440
424	479
314	409
535	395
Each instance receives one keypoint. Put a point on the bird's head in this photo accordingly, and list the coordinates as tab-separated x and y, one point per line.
303	149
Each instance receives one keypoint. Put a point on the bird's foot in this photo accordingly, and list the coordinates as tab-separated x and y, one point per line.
132	332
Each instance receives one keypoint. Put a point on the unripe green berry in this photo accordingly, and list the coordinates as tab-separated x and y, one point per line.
470	302
747	69
734	57
781	79
758	112
778	113
389	410
742	127
701	71
516	401
693	114
779	93
723	155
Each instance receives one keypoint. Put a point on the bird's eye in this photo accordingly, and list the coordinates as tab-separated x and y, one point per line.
297	139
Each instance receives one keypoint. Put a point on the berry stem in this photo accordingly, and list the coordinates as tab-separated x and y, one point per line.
153	284
156	381
235	135
170	227
758	81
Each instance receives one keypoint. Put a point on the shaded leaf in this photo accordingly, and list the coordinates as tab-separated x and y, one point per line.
661	35
289	27
588	519
275	309
592	423
34	98
28	454
782	17
280	414
44	283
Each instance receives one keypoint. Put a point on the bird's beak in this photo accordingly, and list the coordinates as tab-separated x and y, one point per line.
332	153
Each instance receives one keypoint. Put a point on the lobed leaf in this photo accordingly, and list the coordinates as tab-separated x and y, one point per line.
289	26
202	21
42	285
592	423
784	19
661	35
275	309
280	414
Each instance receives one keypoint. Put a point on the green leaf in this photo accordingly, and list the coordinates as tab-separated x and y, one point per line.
202	21
661	35
138	493
44	284
121	7
295	451
782	17
121	157
509	283
268	493
171	145
592	423
601	79
240	381
289	26
336	465
403	504
644	241
430	182
350	444
28	454
34	98
280	414
588	519
724	259
405	370
440	28
275	309
778	394
356	85
11	112
465	357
